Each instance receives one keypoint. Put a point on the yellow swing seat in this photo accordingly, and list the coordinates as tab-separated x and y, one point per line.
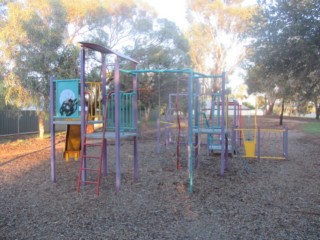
250	148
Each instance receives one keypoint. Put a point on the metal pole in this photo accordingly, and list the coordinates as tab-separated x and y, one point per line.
190	131
117	121
104	85
135	119
222	161
196	110
83	109
158	135
234	126
53	135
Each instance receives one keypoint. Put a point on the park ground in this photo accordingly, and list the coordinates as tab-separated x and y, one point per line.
276	199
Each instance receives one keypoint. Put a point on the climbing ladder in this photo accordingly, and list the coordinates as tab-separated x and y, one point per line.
91	161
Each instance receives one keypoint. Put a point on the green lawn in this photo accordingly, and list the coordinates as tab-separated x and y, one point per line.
312	127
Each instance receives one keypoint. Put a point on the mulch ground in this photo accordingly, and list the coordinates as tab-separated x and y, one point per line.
274	200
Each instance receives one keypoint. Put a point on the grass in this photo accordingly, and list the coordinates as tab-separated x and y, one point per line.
311	127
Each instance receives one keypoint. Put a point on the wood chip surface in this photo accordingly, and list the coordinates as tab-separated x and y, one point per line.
277	199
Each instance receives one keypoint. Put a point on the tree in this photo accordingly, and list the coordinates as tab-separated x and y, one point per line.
240	93
37	41
161	46
33	48
285	49
216	32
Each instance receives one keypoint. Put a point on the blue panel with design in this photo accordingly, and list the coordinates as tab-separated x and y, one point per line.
67	98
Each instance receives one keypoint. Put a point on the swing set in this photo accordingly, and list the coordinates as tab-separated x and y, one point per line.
261	143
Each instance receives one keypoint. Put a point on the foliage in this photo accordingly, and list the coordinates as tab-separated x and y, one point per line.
248	105
216	33
37	41
163	46
33	49
284	57
240	92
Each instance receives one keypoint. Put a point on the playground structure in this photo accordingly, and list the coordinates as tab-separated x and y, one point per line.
118	117
172	129
113	127
97	114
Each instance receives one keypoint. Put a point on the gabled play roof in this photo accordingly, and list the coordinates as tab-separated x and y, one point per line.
105	50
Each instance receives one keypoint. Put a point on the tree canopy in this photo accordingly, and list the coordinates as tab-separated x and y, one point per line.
284	56
215	33
38	40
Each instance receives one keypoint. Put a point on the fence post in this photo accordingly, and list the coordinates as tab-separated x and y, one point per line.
18	122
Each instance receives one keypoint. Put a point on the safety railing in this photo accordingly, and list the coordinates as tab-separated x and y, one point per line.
126	112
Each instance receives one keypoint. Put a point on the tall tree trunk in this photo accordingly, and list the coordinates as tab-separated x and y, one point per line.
317	106
270	108
281	114
41	125
147	111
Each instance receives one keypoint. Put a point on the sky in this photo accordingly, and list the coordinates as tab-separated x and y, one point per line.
173	10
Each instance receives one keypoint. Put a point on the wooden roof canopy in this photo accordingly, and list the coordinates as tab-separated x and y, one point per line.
104	50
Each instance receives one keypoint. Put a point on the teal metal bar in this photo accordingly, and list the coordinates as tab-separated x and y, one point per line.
71	80
223	163
187	70
190	131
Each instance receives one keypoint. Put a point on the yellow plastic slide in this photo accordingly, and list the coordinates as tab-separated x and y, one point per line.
73	142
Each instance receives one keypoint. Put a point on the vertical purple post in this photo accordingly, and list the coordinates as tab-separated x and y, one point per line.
226	153
135	119
168	129
259	143
196	110
117	121
234	126
222	164
233	139
235	117
83	109
104	84
53	134
158	135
